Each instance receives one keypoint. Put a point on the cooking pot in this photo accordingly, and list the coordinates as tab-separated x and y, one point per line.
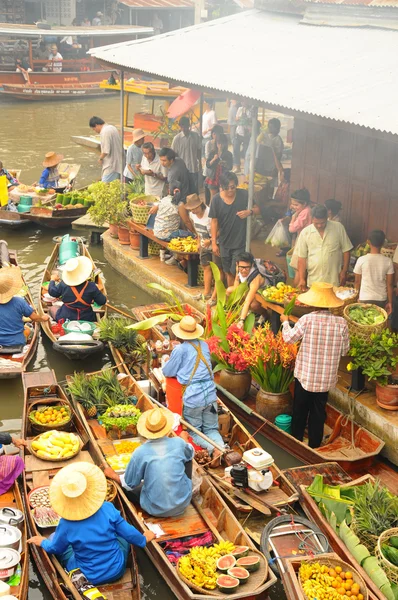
11	516
9	559
10	537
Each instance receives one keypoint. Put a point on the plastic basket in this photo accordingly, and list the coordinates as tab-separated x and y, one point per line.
140	213
390	569
364	331
154	248
93	327
352	300
201	275
389	250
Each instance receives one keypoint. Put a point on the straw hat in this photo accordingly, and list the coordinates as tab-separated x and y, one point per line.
52	159
100	14
320	295
187	329
10	283
155	423
77	270
138	134
193	201
78	491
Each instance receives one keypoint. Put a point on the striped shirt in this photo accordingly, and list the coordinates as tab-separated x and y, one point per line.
324	339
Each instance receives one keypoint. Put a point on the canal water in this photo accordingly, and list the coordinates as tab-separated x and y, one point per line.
29	130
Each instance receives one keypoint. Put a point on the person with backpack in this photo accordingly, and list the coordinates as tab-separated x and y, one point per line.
248	270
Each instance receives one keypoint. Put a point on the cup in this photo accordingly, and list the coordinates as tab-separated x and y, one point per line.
162	255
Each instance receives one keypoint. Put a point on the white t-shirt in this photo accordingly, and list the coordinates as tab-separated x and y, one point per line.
374	269
209	119
56	62
153	186
202	224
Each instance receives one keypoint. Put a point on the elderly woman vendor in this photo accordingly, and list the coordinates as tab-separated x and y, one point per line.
50	176
92	535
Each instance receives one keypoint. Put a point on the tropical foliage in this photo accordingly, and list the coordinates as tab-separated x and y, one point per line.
377	359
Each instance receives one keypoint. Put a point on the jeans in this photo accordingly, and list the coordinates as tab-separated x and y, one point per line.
193	183
238	142
110	177
311	405
68	560
205	419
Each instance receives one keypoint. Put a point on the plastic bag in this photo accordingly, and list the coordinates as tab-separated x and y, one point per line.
278	236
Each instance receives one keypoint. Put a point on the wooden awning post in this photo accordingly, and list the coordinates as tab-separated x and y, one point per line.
122	121
253	149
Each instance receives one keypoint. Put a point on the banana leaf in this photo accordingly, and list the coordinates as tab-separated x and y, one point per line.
289	307
221	317
157	286
249	323
221	293
236	296
216	272
153	321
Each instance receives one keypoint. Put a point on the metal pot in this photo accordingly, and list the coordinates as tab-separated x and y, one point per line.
11	516
9	559
10	537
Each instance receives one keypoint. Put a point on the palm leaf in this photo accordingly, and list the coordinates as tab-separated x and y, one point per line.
249	323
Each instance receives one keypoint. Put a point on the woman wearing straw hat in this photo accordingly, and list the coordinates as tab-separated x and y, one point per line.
324	340
92	535
76	291
156	476
190	364
12	311
50	176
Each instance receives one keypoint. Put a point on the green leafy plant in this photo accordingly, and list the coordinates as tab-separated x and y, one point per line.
109	206
376	358
375	509
137	186
175	310
120	416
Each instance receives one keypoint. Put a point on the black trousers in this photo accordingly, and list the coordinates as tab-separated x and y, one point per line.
309	406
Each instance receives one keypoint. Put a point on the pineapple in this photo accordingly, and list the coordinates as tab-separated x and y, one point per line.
89	408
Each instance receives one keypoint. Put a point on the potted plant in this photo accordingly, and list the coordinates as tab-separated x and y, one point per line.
131	345
378	359
271	362
109	206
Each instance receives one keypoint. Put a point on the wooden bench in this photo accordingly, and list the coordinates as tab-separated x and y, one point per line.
275	312
192	257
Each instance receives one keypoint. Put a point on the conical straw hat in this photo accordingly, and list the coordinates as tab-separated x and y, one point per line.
77	270
155	423
320	295
10	283
78	491
187	329
52	159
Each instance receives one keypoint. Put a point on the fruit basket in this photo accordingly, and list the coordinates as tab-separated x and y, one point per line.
352	299
140	208
326	572
52	415
364	331
55	446
276	293
111	491
385	561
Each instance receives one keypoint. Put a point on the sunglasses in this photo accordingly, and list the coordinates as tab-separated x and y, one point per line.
244	268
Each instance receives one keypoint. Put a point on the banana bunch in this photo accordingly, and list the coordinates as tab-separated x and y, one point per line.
185	244
224	547
200	565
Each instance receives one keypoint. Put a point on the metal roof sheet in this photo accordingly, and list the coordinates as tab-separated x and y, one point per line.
344	74
158	3
111	30
378	3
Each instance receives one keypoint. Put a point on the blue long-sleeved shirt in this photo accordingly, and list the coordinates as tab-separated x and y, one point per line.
94	542
48	178
202	390
86	313
167	490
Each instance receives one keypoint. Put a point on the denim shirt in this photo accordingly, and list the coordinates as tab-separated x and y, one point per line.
202	390
167	490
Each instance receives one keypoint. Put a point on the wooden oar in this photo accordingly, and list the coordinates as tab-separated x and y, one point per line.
120	311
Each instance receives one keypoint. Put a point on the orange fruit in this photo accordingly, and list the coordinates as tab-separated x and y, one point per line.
355	588
354	597
343	575
335	584
360	597
348	584
339	579
332	573
348	575
341	591
348	593
338	570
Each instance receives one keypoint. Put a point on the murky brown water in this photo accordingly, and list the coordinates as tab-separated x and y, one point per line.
29	130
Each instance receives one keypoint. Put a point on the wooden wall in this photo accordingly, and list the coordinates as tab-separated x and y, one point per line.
359	170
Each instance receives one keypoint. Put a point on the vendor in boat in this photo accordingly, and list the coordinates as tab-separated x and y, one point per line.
50	176
13	309
10	466
92	535
324	340
76	291
11	180
248	271
190	364
158	475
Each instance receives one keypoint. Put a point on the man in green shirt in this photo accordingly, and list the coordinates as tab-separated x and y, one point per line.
323	251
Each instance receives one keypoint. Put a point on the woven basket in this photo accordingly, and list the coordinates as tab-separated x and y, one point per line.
340	310
334	562
140	213
154	248
389	250
62	459
364	331
111	491
58	402
201	276
390	569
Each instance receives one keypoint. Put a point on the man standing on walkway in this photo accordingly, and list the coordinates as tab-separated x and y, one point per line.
187	145
176	170
111	149
134	156
323	251
324	340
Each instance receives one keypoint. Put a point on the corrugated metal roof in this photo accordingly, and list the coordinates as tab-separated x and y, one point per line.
378	3
343	74
158	3
111	30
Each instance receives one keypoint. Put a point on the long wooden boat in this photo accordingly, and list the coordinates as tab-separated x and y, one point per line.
72	350
211	514
13	499
52	217
9	218
14	367
42	388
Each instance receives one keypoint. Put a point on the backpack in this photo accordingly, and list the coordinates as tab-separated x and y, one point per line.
270	271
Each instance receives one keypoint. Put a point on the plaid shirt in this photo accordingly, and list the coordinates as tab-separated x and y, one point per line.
324	340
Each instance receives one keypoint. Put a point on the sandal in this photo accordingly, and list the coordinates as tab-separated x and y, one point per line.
202	297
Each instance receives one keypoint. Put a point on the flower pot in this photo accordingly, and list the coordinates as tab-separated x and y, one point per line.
271	405
238	384
387	396
113	231
134	240
123	235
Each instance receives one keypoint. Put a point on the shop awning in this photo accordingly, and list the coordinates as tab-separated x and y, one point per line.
109	31
272	59
160	4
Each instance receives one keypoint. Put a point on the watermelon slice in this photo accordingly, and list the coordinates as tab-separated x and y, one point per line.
251	563
240	573
227	584
240	551
226	562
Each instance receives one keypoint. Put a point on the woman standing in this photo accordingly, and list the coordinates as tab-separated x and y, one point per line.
50	176
300	205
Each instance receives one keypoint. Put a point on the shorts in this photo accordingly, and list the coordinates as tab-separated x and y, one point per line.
229	257
207	256
110	177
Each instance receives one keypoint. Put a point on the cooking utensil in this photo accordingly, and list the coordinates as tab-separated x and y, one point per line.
9	559
10	537
11	516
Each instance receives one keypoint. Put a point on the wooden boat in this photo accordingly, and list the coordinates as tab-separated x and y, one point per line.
41	387
212	514
75	88
13	499
72	350
17	366
338	427
52	217
11	219
148	311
